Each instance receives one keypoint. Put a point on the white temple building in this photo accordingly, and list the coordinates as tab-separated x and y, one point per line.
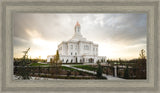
78	49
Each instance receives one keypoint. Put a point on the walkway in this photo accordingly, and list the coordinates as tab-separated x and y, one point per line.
109	77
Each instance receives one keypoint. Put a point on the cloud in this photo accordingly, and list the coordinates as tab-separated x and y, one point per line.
120	27
126	29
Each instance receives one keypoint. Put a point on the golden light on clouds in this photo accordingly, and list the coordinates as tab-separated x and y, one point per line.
44	48
33	33
118	35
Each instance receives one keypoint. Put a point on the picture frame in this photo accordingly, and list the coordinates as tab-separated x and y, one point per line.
8	8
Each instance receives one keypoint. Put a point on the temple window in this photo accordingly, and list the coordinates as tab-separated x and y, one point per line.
86	47
71	46
60	48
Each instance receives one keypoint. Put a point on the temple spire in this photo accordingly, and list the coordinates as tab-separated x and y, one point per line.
77	24
77	34
77	28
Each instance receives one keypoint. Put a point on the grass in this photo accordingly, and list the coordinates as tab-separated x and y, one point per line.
68	68
73	63
71	69
87	67
38	64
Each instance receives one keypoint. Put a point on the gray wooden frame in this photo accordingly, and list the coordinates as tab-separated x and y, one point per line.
8	8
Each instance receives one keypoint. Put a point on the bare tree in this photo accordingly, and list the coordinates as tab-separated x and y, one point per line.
142	54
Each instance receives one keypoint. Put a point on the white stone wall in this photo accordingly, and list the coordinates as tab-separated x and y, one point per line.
50	57
71	59
78	48
80	59
82	50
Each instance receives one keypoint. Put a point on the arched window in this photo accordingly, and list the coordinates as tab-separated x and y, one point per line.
78	29
71	46
71	53
51	59
86	47
76	47
66	60
60	48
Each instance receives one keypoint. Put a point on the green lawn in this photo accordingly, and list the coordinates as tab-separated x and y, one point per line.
67	68
38	64
71	69
63	67
87	67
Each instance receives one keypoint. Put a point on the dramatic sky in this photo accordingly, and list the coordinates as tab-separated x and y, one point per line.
120	35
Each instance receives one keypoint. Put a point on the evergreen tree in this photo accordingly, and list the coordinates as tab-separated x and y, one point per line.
126	73
99	70
56	57
56	63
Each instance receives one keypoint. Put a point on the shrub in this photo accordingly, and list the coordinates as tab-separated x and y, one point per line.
126	73
99	70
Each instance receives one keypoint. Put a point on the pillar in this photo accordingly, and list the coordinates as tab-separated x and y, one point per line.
115	71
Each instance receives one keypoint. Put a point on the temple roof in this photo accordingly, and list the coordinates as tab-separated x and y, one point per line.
77	35
77	38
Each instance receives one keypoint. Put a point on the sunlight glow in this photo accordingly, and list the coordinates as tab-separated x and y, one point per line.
43	48
118	35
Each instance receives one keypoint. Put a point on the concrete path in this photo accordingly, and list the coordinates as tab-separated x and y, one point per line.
109	77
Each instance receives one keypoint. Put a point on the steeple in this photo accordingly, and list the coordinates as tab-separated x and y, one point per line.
77	28
77	24
77	34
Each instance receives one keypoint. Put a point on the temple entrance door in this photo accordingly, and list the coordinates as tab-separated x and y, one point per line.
83	60
76	60
91	60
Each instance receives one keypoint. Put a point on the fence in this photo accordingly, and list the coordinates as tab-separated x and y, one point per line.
125	72
50	72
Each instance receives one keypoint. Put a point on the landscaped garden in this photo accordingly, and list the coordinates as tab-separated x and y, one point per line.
62	72
53	70
132	69
87	67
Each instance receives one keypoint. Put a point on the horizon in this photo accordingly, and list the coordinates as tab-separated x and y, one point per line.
120	35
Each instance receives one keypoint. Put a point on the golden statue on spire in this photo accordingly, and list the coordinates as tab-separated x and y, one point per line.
77	24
